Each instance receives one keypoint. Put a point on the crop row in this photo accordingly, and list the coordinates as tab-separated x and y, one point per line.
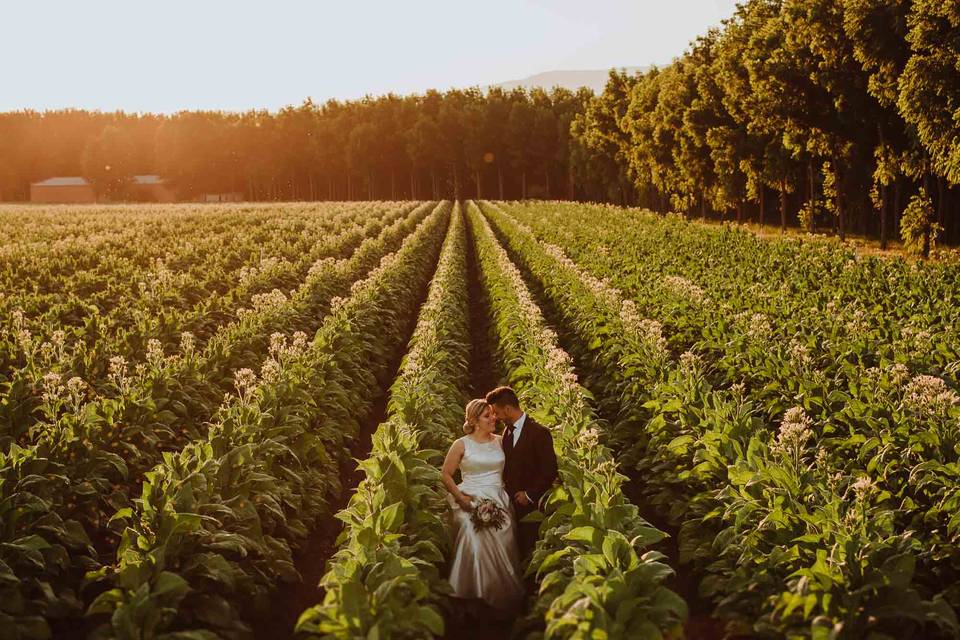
169	295
595	576
56	286
101	257
212	533
592	574
85	462
37	395
835	480
189	288
69	250
898	311
386	580
86	354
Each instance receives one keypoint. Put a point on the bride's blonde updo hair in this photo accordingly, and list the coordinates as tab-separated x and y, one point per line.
472	413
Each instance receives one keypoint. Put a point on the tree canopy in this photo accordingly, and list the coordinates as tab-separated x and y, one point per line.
843	109
467	143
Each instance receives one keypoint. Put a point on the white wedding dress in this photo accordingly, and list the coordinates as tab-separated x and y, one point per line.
485	562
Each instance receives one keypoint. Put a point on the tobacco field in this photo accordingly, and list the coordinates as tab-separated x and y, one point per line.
228	421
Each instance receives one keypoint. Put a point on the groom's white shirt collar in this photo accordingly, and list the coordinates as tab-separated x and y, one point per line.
517	426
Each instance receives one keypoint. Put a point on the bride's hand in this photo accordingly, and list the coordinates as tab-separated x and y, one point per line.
466	502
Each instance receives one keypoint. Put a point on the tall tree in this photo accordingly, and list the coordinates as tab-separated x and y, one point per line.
109	161
929	92
877	32
606	141
520	134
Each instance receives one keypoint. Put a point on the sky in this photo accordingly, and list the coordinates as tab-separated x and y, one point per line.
165	56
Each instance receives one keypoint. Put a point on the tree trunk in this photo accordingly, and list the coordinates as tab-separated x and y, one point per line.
762	211
884	230
941	199
413	186
956	214
433	183
841	218
477	176
811	198
546	175
393	184
839	203
500	179
739	211
896	207
703	207
783	206
523	186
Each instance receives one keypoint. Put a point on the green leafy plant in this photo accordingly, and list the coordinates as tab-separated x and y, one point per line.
594	572
737	364
385	579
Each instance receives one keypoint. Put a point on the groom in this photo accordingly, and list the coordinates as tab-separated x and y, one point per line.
531	464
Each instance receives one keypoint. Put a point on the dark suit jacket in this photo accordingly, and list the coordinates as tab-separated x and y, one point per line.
531	465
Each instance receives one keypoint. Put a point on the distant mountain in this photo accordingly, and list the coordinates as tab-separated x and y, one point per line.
593	78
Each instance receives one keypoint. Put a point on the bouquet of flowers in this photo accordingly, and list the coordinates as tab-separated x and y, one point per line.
486	513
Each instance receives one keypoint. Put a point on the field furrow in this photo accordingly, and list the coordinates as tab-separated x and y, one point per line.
756	438
395	529
109	444
593	551
721	438
212	536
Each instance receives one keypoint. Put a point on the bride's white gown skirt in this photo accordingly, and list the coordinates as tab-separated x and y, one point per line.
485	562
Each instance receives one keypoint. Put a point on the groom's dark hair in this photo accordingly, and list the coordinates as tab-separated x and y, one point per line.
503	395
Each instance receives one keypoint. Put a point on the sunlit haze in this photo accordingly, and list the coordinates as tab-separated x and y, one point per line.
238	55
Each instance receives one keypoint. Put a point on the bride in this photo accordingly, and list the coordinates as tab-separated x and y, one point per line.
485	560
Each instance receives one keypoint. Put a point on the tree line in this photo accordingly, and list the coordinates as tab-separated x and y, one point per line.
458	143
839	114
828	114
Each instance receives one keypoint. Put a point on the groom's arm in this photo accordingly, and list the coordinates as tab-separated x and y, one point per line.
547	472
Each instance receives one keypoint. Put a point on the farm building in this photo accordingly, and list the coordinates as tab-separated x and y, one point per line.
144	188
151	188
62	189
227	196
